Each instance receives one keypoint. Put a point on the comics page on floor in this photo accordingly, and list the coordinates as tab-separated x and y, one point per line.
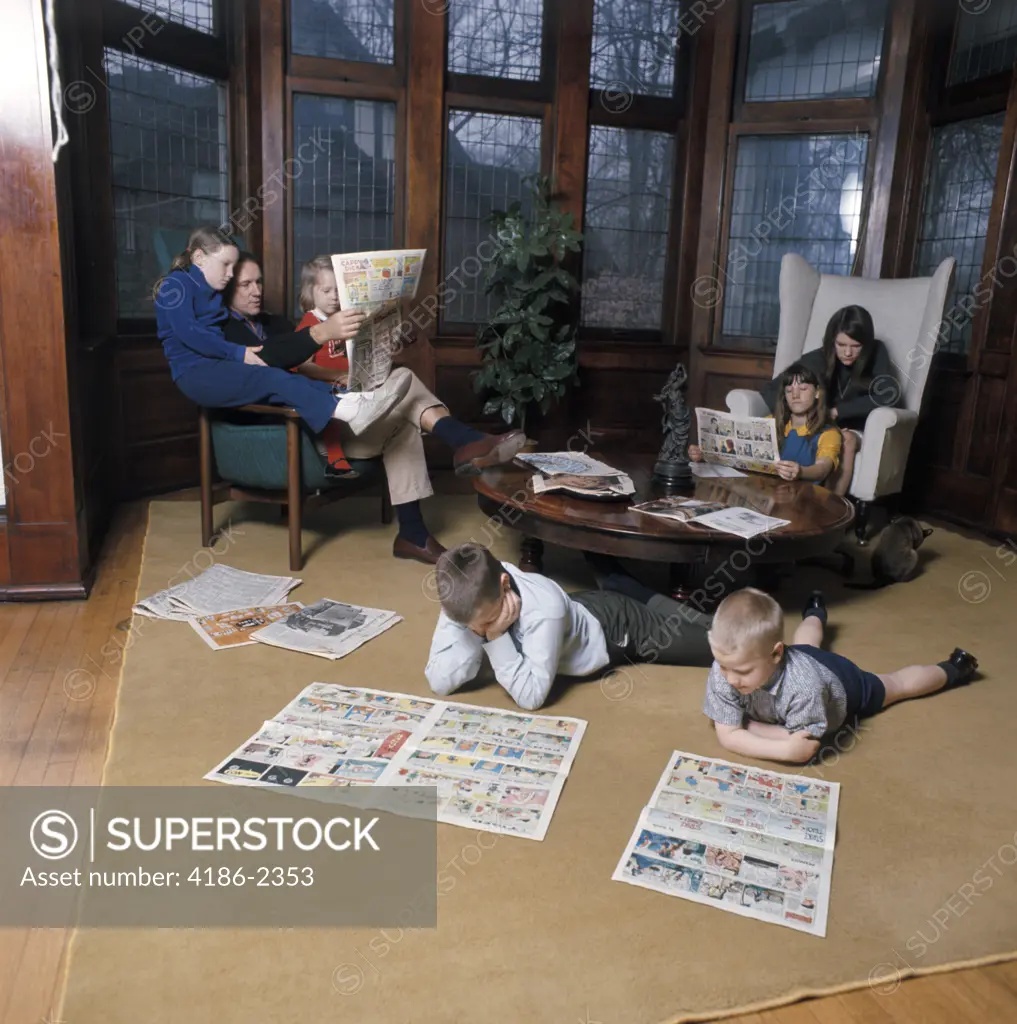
498	771
748	840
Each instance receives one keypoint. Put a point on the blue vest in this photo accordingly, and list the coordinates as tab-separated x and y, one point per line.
802	450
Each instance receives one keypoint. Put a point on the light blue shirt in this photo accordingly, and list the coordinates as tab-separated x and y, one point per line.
553	635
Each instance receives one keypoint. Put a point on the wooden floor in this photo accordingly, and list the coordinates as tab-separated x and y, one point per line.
59	671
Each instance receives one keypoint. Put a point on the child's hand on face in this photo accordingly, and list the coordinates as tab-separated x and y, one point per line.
510	608
695	453
788	470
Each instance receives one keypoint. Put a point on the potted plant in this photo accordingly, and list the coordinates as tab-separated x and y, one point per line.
528	348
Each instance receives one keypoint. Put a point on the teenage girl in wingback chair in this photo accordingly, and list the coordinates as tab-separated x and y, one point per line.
858	376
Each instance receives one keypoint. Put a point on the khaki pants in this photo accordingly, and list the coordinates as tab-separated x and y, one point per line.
396	438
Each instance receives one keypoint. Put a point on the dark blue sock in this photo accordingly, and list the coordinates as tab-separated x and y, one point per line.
411	523
455	433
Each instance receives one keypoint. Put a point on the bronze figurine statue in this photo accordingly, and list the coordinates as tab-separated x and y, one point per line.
672	465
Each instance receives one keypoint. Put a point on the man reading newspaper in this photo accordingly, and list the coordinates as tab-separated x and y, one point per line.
381	284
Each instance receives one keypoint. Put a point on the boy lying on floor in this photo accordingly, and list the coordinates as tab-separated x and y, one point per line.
530	630
777	702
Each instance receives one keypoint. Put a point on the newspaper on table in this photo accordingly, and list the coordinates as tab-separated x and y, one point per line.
329	629
225	630
569	463
742	522
376	283
748	442
220	588
706	470
681	510
616	486
498	771
747	840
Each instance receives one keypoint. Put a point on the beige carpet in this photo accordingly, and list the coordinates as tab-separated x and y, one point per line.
538	931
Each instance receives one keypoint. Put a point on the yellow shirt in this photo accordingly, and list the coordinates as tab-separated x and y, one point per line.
828	445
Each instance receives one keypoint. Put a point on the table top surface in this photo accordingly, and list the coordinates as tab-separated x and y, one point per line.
813	511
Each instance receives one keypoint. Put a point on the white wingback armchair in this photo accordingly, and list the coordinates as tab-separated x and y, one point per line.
907	314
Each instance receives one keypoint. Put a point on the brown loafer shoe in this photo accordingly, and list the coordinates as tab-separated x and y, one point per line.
494	449
428	554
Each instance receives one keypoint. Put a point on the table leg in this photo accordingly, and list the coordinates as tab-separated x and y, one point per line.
531	554
685	579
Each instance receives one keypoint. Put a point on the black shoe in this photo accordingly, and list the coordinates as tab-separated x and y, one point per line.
816	605
964	668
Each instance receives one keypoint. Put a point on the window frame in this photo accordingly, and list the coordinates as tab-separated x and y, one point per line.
334	69
848	116
345	79
185	49
490	88
483	94
649	113
462	101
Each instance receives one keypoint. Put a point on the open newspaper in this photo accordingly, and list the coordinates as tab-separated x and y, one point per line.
567	463
329	629
494	770
747	840
376	283
740	442
220	588
715	515
225	630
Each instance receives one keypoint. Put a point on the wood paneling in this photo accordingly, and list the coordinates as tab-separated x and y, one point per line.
270	116
42	521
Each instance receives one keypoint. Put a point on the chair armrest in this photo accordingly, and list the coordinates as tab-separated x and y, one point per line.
743	402
271	410
883	456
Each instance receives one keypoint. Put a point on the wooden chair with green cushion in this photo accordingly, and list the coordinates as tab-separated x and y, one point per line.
272	462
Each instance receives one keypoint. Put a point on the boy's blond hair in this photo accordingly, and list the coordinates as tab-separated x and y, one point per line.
309	278
747	621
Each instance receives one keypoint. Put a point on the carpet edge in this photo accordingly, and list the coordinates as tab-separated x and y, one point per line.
800	995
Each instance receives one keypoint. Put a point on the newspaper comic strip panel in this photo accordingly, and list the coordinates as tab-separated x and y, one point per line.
751	841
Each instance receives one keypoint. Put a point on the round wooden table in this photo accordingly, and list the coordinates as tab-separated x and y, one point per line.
818	520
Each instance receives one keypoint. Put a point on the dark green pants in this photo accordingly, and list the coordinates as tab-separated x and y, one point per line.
662	630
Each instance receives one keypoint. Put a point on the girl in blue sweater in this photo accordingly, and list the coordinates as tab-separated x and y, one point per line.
214	372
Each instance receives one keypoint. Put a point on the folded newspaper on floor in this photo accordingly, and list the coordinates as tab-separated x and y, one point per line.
329	629
748	840
748	442
571	463
220	588
498	771
616	486
225	630
376	283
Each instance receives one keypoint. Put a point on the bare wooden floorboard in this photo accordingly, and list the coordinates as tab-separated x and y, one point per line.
59	673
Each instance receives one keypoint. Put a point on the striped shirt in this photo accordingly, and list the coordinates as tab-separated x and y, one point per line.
802	695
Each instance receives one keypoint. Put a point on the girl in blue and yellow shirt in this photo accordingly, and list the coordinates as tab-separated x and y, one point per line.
810	445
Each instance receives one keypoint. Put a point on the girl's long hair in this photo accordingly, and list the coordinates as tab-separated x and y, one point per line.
817	415
856	323
208	239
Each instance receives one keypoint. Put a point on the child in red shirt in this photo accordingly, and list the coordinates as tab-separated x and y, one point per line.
319	298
